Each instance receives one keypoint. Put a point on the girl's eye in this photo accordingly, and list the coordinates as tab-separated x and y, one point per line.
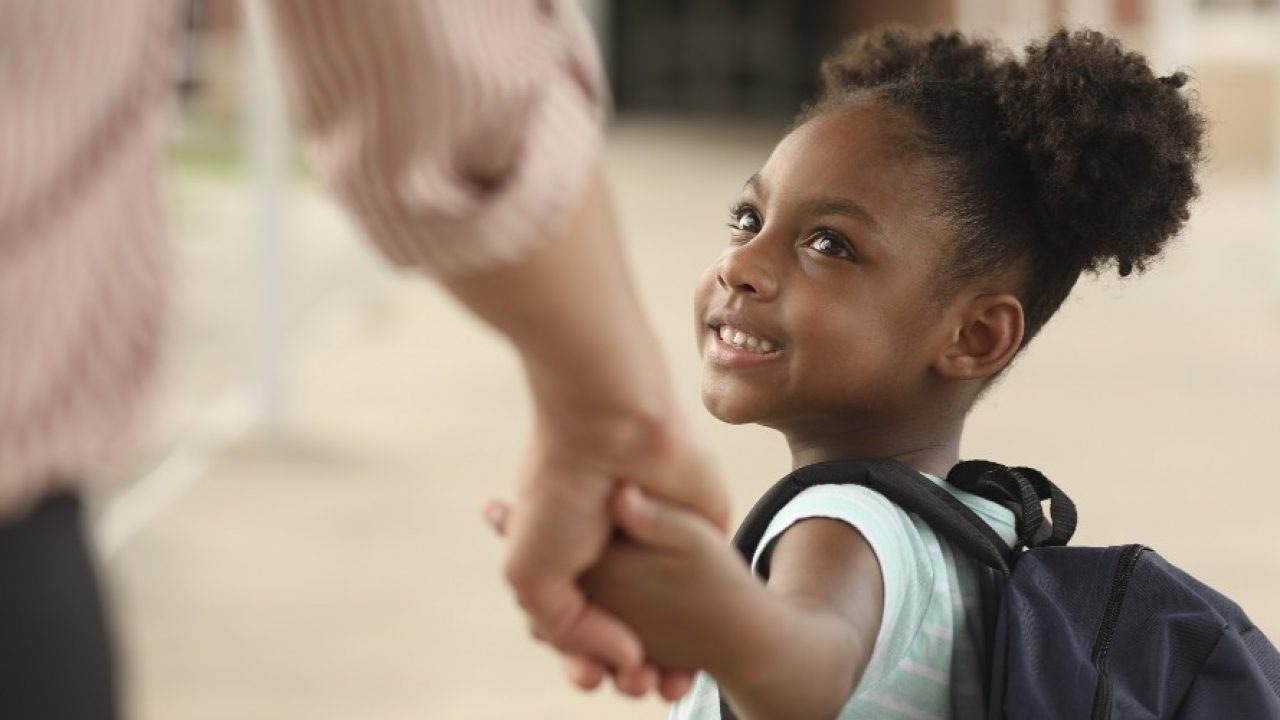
744	218
830	243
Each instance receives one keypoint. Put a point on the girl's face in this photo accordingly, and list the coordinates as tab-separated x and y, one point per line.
820	313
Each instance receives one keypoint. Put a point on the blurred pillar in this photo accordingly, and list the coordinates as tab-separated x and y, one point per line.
216	49
268	144
1275	147
1131	13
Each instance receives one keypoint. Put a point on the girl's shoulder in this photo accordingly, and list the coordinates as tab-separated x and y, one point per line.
882	523
928	590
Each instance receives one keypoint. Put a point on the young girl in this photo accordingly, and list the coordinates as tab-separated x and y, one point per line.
914	231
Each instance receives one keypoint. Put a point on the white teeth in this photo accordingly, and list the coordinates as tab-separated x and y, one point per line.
740	339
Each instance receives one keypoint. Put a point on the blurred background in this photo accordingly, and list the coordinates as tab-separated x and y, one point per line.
302	539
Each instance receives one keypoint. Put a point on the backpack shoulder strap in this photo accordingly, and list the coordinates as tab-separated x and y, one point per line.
898	482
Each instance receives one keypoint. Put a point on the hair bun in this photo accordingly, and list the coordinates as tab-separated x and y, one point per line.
1112	148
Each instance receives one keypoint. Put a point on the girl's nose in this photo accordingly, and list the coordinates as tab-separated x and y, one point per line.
743	270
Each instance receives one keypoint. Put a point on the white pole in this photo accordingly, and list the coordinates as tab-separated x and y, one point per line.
268	143
1275	147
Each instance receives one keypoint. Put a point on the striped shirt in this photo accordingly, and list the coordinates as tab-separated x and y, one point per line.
457	133
930	654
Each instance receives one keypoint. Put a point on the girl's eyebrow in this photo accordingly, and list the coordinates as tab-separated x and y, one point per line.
833	205
824	205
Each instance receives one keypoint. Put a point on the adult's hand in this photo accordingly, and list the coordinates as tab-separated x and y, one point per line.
558	529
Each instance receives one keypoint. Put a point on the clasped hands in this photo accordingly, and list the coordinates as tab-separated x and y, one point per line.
609	539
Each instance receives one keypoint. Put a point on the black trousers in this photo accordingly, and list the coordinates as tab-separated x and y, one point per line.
56	659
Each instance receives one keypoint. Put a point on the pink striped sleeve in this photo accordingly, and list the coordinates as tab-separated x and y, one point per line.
458	133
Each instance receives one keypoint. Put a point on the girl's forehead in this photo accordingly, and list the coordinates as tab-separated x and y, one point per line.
865	131
856	151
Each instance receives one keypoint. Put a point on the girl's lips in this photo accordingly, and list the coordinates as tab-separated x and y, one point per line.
728	355
736	322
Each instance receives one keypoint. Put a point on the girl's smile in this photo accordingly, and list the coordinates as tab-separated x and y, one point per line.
734	341
730	355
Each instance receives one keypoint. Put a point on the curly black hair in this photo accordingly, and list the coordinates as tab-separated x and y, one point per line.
1068	160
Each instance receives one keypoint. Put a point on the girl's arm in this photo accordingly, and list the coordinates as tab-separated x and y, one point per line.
793	649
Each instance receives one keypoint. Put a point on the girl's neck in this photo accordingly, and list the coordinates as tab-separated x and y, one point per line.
931	450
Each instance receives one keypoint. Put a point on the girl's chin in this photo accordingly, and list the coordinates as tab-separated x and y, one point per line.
729	409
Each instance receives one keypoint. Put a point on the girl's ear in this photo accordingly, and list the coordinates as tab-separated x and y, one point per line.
988	337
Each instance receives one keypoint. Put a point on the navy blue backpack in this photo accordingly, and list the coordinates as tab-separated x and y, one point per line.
1100	633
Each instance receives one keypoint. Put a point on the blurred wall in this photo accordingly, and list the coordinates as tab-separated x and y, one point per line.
753	57
723	57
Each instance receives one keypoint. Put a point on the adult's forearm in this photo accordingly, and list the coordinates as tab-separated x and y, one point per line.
593	364
571	312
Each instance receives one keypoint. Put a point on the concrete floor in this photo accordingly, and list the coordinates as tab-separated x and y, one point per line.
337	568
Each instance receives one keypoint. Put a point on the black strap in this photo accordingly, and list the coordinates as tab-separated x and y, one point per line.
898	482
1021	489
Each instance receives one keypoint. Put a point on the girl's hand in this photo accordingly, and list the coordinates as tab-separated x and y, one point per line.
674	581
